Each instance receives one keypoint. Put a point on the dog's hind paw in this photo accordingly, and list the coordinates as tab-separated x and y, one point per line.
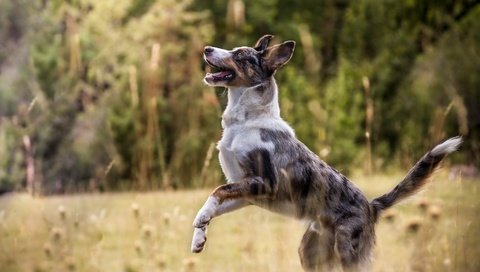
199	239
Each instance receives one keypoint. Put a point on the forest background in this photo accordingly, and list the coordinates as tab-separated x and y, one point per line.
108	95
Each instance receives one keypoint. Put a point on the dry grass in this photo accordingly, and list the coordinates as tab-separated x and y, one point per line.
152	231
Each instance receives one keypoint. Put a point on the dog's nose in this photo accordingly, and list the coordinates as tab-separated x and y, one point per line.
208	49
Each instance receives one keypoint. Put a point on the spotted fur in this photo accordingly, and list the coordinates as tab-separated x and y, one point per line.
266	165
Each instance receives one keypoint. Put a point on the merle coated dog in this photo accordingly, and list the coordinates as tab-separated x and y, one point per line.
266	165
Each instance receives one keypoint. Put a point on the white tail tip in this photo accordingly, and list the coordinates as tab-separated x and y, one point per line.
448	146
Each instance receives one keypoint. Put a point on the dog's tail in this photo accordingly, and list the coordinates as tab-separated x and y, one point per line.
417	176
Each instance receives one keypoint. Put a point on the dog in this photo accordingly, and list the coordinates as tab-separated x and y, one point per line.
266	165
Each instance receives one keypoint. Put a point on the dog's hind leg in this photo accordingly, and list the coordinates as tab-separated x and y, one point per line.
316	249
353	246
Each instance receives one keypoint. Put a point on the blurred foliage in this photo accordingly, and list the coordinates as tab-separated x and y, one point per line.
111	95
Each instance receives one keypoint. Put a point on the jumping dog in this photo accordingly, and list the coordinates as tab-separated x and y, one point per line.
266	165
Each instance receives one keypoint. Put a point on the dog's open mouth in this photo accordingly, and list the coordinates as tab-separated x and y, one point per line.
218	73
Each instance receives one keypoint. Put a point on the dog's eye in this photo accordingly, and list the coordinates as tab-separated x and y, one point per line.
239	54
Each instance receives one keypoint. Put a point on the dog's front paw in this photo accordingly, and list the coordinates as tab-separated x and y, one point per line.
202	219
206	213
199	239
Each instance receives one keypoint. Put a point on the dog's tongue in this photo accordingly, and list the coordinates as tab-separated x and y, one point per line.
221	74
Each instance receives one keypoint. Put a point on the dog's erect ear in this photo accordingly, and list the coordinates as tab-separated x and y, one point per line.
277	55
262	43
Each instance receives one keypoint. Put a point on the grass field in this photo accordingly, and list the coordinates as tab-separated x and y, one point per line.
439	230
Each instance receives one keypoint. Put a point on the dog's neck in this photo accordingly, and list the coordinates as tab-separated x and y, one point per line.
259	101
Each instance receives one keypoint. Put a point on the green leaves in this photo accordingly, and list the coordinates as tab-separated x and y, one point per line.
119	98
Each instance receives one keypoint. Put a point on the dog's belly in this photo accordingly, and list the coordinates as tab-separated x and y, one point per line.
283	207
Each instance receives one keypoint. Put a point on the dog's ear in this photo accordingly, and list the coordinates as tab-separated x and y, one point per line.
262	43
277	55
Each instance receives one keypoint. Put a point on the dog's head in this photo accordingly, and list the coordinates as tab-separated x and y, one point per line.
246	66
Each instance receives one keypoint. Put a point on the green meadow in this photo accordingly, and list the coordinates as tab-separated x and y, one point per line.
438	230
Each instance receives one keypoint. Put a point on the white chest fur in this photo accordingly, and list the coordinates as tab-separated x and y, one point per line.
236	142
240	139
248	112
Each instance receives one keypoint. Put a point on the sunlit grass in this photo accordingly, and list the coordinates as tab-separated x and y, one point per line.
436	231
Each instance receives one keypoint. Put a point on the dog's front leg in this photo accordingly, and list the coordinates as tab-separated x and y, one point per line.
224	199
212	208
199	239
